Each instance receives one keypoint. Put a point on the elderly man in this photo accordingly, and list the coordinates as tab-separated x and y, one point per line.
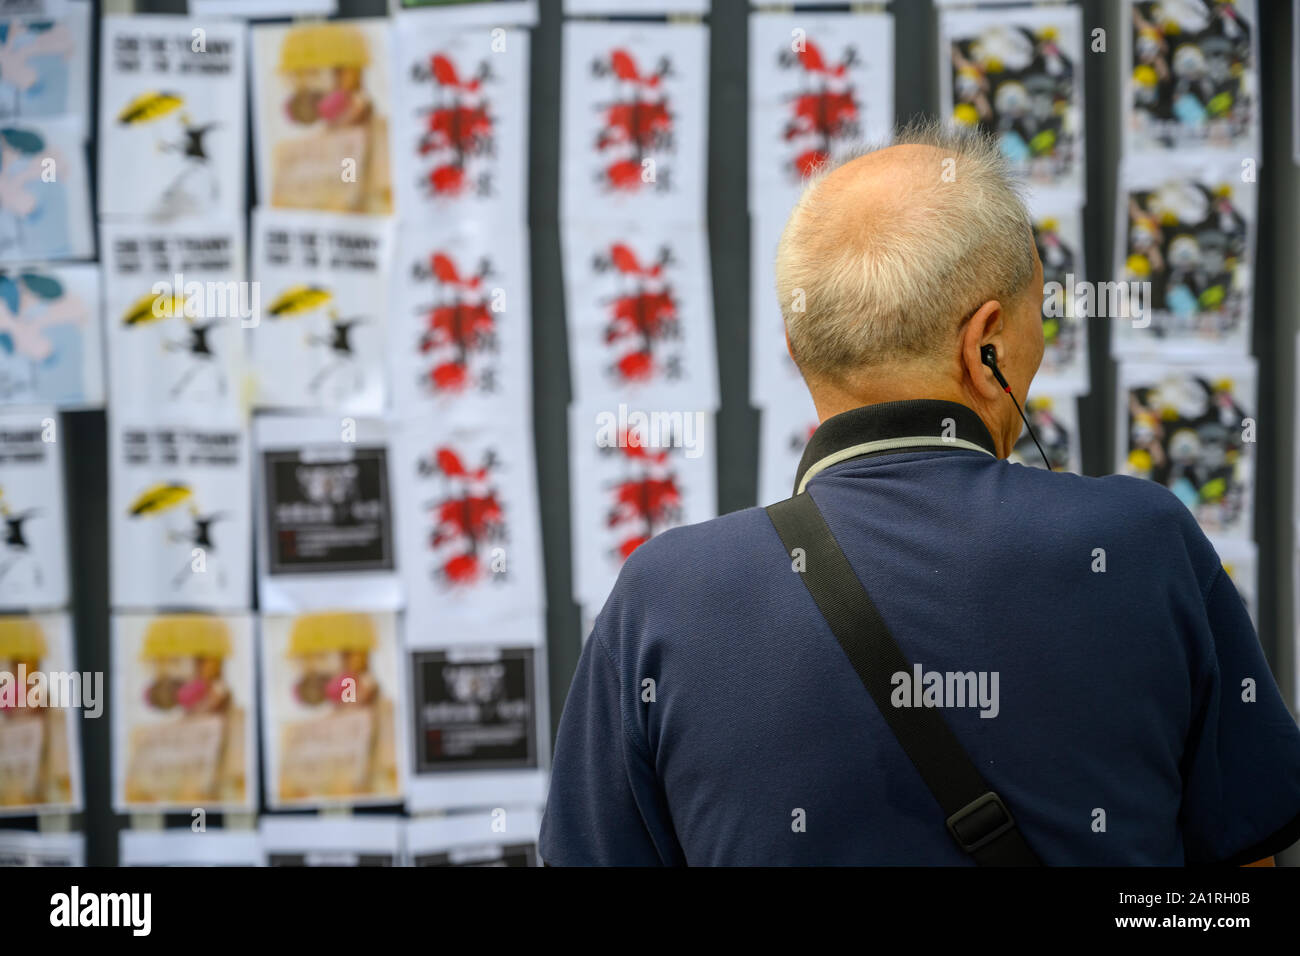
929	655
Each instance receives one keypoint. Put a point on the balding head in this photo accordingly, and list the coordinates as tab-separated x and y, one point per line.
890	249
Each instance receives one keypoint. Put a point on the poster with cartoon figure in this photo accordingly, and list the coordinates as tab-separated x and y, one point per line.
469	537
460	334
322	104
478	735
1055	419
180	530
633	114
633	472
1192	76
51	345
40	712
33	551
640	312
172	114
320	341
461	147
784	430
45	63
175	304
1185	250
1058	236
1018	76
44	191
184	712
332	704
1191	427
325	514
819	83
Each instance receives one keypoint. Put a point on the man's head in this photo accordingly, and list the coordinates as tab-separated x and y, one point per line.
898	264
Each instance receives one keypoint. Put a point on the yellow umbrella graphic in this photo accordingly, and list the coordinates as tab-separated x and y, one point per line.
151	308
159	498
148	107
298	299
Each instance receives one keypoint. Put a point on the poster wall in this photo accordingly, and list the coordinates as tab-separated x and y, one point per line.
51	344
33	553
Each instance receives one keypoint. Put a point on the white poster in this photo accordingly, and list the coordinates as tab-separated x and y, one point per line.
1018	75
51	345
212	847
184	713
44	191
263	9
634	8
320	341
180	527
46	63
172	117
45	697
1055	420
469	530
819	83
1058	234
460	335
325	515
461	146
1191	77
26	848
634	121
640	313
450	14
1191	427
175	304
633	472
322	841
34	553
503	836
480	726
1185	248
783	432
332	710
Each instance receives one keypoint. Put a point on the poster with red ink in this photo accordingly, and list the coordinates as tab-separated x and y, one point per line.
633	472
468	539
461	146
819	83
640	313
634	141
460	333
783	433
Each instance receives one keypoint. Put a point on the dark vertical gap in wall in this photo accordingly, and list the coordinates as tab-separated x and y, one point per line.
736	425
551	389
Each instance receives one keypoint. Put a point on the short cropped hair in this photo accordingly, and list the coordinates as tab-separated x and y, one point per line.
902	290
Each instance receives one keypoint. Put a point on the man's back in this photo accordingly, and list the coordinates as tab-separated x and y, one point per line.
714	718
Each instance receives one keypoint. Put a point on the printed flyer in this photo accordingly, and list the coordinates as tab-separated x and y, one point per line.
331	709
40	757
46	63
172	115
44	191
184	712
34	551
326	515
51	344
322	104
180	525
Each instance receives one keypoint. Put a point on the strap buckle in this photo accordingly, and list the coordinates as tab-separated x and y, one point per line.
980	822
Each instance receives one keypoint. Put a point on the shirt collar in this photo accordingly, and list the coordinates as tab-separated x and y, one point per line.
916	424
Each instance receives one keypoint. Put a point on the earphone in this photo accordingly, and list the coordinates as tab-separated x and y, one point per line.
989	356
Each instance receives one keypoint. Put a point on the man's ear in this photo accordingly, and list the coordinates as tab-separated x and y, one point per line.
983	328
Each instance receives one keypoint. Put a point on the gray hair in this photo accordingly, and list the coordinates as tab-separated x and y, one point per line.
902	291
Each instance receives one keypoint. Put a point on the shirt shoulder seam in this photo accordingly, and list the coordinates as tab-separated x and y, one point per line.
622	714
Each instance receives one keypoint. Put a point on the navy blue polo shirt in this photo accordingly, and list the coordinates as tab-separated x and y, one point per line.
714	719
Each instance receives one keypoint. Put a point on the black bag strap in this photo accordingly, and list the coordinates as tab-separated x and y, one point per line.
978	819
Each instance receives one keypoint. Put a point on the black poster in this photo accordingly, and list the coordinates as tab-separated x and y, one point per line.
328	512
474	711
